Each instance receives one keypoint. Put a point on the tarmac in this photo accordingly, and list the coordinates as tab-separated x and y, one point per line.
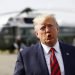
7	63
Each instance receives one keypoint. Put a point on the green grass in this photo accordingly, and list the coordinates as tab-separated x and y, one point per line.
4	52
8	52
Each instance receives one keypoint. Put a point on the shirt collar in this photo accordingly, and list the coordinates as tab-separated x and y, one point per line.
47	48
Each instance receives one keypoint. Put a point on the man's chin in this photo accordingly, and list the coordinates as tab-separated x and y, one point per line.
50	41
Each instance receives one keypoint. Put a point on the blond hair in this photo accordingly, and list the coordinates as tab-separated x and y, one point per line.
38	19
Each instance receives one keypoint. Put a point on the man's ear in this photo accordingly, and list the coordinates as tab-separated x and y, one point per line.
35	33
58	29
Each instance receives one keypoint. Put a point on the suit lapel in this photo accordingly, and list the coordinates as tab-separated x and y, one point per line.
65	56
41	60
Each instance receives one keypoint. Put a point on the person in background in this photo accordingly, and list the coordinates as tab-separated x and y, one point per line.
18	43
49	56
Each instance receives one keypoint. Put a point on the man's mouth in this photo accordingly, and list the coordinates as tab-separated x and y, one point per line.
49	36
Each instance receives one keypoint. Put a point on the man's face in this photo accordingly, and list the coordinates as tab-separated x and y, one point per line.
47	31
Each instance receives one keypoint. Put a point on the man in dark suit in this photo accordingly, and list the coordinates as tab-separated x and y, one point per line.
36	60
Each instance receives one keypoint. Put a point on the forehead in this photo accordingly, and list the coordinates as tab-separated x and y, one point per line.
45	19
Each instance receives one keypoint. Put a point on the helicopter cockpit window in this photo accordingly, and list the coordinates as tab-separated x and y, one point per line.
28	20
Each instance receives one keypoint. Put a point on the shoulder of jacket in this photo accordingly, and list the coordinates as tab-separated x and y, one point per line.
68	46
28	49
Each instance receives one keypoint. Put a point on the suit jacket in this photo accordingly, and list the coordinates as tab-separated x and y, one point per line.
31	60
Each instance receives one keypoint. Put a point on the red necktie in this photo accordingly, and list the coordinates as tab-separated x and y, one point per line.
55	69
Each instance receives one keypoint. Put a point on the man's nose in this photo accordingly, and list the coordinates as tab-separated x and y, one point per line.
47	29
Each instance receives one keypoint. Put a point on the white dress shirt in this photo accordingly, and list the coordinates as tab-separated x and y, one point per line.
57	54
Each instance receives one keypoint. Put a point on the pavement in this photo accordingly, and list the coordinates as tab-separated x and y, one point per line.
7	63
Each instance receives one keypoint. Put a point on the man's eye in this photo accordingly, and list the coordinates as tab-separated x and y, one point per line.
42	28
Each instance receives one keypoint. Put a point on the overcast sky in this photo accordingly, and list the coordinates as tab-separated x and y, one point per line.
65	9
15	5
